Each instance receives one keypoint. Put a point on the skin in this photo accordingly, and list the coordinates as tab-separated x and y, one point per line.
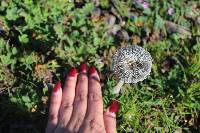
78	108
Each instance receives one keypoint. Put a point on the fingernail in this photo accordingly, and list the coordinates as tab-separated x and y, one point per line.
92	70
57	87
72	72
83	68
114	107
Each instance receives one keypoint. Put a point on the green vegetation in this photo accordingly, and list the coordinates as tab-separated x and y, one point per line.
40	40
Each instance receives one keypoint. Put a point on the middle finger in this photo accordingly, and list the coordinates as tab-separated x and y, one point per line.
94	116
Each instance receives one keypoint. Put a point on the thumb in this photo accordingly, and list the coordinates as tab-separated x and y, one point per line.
110	117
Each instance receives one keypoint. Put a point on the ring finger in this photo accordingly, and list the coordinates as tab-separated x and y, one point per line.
80	101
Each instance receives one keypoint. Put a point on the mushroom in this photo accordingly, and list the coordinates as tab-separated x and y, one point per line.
131	64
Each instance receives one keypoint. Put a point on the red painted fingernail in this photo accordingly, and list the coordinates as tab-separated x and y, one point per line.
57	87
83	68
72	72
114	107
92	70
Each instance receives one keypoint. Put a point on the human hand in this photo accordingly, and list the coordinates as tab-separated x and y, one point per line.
79	106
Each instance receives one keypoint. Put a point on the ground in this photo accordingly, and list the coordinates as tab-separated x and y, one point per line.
40	40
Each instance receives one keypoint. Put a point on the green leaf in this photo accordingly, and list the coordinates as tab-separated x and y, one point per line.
45	90
24	38
28	105
29	60
26	99
104	3
3	5
13	99
147	11
11	14
96	39
87	8
2	44
28	2
14	51
59	29
159	23
5	59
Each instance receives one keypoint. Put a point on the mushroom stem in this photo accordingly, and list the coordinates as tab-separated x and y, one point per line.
117	88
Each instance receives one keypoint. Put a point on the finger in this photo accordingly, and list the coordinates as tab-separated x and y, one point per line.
67	100
80	101
94	115
54	107
110	117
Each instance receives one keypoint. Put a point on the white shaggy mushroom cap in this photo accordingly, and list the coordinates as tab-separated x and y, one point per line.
132	63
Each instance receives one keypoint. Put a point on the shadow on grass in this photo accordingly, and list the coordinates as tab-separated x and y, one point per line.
15	118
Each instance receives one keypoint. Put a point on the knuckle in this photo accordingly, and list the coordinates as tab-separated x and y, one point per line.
113	116
81	96
95	97
93	124
79	121
76	123
67	105
53	117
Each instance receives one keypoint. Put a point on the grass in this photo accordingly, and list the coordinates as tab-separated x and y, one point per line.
40	40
